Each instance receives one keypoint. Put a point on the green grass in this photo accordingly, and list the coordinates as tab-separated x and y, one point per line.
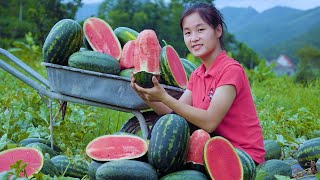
288	112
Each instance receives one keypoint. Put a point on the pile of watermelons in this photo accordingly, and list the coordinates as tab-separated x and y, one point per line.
119	52
170	153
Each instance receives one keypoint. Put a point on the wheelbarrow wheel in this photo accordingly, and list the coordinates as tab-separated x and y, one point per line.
133	126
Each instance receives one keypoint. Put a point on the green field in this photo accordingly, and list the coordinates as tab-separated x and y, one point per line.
288	112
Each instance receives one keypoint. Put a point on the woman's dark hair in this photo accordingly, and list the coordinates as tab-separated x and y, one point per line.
209	14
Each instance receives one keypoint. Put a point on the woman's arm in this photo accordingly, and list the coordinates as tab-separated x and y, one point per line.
206	119
159	107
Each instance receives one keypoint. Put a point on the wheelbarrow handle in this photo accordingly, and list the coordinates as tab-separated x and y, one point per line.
23	66
26	79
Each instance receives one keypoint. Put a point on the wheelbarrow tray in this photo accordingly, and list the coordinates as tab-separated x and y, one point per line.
100	87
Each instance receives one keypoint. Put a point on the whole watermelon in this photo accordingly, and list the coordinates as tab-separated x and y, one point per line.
168	144
64	39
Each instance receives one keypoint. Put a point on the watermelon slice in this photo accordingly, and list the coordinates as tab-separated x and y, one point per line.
101	37
221	160
30	156
172	70
196	144
115	147
146	58
127	56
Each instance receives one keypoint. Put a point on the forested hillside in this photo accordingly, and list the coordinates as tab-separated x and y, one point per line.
279	30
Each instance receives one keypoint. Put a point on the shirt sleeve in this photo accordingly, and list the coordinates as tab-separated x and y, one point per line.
232	75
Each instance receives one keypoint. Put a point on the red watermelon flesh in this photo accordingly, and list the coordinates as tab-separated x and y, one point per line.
31	156
176	67
116	147
221	160
127	55
196	144
147	52
101	37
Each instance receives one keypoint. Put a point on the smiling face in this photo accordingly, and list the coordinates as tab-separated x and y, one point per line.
201	39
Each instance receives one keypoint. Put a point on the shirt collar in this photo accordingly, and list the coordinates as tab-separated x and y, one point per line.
202	69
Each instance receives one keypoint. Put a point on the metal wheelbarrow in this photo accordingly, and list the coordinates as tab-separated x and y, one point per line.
89	88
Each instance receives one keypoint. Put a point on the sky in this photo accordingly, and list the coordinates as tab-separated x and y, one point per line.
259	5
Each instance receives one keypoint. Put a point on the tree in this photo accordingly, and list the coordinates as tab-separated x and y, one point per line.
309	64
19	17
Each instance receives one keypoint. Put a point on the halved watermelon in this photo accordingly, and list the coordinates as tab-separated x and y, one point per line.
115	147
146	57
195	152
221	160
30	156
127	56
101	37
172	70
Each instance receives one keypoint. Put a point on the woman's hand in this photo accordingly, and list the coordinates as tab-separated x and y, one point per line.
156	93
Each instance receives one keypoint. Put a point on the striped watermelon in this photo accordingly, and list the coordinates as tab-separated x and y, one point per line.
184	175
221	160
318	165
64	38
127	56
30	156
146	58
172	70
308	151
49	168
168	143
188	66
101	37
94	61
93	166
126	170
248	165
125	34
195	151
273	149
77	168
272	167
116	147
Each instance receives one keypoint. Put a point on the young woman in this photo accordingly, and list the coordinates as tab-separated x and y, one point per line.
218	97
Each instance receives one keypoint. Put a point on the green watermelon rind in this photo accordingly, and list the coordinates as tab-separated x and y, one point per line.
308	151
144	79
188	66
126	169
268	169
273	149
64	38
248	165
125	34
94	61
168	144
92	170
185	174
29	140
70	167
166	73
43	148
49	168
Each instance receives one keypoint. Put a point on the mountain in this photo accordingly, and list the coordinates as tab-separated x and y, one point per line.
279	30
275	31
87	10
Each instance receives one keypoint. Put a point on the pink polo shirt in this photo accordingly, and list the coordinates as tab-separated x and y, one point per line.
241	125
